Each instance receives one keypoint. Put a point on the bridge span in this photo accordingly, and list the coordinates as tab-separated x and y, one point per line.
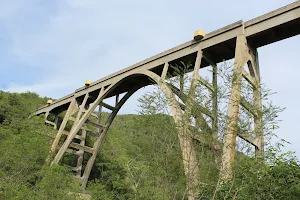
217	46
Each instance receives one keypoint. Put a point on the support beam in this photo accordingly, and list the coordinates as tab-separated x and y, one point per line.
200	120
117	99
165	71
46	116
82	147
51	123
248	77
181	82
190	161
99	117
241	58
95	124
215	102
258	125
248	106
81	109
244	55
206	84
79	137
72	151
209	144
94	114
197	109
105	105
56	122
249	138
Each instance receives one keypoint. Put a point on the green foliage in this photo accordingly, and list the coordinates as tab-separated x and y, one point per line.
140	159
253	180
15	107
56	183
24	146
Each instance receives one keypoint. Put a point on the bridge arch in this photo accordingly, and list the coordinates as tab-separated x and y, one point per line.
188	151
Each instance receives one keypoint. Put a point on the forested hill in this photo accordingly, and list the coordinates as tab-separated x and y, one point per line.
137	160
140	159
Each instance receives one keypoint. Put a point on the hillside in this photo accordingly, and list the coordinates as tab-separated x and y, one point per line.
140	159
136	160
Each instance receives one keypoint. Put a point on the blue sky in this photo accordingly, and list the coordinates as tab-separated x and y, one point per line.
52	47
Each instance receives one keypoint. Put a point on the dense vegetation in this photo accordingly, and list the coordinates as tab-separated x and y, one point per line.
137	160
140	159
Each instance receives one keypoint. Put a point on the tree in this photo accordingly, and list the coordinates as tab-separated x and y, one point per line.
208	145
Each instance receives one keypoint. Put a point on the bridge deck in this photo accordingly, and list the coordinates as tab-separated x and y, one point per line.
218	46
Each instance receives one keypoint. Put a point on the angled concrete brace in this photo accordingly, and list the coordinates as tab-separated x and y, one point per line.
80	153
243	55
197	112
229	141
201	122
73	108
258	125
215	102
79	124
100	139
182	120
56	122
197	109
81	109
190	162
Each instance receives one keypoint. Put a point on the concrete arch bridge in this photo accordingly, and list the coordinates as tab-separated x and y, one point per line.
239	40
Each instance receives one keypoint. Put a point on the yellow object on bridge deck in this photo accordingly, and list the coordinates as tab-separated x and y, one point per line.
88	82
49	101
199	35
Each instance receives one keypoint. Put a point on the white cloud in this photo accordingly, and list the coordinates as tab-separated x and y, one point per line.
88	40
